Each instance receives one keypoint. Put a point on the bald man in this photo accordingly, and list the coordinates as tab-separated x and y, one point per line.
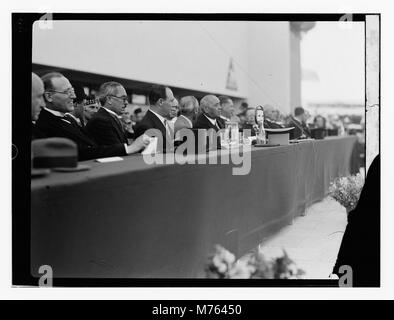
37	102
188	108
210	114
271	117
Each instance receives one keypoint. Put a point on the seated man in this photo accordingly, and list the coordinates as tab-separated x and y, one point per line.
271	116
105	127
161	101
188	108
210	116
173	113
84	109
250	121
37	103
59	96
301	130
227	110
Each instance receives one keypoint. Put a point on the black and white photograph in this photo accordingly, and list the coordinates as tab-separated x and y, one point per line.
186	149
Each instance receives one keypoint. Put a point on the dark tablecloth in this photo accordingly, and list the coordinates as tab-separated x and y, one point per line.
130	219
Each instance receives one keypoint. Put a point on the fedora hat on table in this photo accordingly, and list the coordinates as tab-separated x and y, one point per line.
58	154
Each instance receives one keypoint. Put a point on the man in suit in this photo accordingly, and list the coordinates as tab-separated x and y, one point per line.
188	108
59	96
106	127
227	110
210	116
161	100
37	103
301	130
271	117
84	107
250	121
76	116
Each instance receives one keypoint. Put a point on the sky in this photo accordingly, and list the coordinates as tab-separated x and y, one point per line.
332	60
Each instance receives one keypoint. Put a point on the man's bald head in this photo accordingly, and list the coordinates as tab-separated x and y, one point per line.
188	105
270	112
210	106
37	96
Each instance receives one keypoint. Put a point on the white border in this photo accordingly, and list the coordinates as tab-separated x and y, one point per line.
387	107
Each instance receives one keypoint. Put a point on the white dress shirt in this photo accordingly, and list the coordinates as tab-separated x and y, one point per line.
213	121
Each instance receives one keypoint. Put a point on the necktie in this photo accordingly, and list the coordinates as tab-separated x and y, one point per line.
169	130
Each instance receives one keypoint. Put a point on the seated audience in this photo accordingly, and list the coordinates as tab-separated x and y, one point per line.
59	97
105	127
210	114
298	121
37	103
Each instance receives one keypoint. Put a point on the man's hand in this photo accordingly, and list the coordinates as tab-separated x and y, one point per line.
139	144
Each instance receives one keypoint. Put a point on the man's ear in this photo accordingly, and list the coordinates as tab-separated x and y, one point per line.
48	96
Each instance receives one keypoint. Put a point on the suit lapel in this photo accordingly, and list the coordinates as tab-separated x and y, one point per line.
157	123
115	123
57	123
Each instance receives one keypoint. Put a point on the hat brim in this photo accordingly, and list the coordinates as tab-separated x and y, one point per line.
279	130
39	172
80	167
266	145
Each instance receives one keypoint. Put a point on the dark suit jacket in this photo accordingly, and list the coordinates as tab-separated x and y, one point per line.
203	123
105	129
36	133
269	124
299	129
151	121
53	126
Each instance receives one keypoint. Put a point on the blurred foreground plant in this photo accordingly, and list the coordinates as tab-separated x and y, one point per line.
223	265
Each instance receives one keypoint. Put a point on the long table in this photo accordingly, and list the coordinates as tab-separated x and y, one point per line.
129	219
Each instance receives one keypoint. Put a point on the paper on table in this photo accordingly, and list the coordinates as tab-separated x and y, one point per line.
151	147
110	159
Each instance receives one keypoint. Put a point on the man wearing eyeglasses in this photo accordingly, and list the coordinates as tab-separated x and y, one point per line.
106	127
59	96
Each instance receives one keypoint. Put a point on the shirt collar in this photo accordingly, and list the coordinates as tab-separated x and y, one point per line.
161	118
110	112
224	118
74	117
55	113
188	120
213	121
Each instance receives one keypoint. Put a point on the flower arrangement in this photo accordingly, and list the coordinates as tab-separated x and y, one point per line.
347	190
223	265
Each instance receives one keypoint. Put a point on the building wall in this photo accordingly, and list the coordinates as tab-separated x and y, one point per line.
189	54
